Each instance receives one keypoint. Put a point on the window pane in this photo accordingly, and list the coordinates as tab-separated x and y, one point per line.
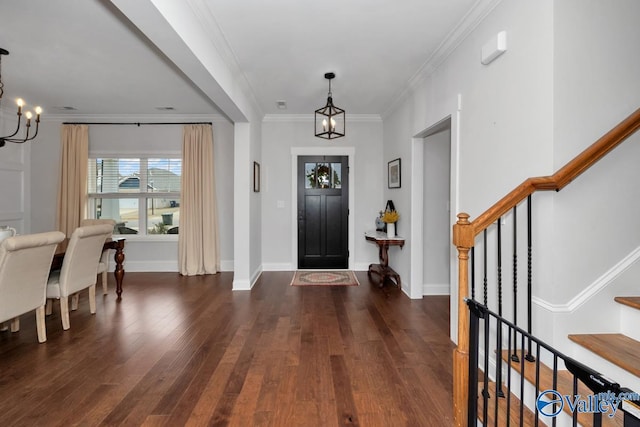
163	216
321	175
123	211
114	175
336	175
163	175
322	172
135	179
310	174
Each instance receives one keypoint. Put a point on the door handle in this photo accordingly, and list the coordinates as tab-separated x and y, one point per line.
301	215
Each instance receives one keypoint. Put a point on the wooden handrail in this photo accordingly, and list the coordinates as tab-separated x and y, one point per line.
563	176
465	231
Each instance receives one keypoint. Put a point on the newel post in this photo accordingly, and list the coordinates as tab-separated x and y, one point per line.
463	238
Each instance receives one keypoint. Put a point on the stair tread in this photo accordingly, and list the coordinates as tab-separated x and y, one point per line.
564	386
618	349
630	301
514	409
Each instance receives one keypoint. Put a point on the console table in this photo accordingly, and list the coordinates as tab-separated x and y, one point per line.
383	241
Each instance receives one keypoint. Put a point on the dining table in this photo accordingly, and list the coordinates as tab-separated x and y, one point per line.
118	257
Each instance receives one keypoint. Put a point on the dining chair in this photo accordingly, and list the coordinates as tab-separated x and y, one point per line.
25	262
103	266
79	269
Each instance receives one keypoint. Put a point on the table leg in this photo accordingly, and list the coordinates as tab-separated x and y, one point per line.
383	269
119	269
383	254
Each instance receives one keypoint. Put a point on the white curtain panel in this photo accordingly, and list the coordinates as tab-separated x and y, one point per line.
72	188
198	241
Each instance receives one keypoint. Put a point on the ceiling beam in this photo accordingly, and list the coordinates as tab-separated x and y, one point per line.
178	33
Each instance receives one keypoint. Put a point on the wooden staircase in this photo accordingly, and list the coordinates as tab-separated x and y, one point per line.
616	348
505	409
564	385
466	231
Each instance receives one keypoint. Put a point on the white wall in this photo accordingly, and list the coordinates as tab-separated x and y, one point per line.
279	136
597	85
143	253
566	78
14	177
501	117
255	264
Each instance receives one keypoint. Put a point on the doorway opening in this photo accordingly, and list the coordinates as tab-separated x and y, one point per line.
436	213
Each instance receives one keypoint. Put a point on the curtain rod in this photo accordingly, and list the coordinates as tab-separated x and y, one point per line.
137	123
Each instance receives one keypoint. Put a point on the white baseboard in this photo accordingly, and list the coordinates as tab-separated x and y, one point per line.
286	266
436	289
277	266
160	266
256	275
361	266
247	285
148	266
241	285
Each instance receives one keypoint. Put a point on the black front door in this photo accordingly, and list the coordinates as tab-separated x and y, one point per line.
323	210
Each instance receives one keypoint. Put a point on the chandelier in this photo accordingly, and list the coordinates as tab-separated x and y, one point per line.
329	120
28	114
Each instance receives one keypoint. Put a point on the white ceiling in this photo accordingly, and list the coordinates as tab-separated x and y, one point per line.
87	55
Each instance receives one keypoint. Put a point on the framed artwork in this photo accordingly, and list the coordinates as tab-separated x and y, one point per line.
256	177
393	173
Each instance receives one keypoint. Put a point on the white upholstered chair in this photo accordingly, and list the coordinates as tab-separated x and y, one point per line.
103	267
25	262
79	269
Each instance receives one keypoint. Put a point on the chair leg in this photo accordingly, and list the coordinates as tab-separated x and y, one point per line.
104	282
92	299
15	324
74	301
40	324
64	312
49	307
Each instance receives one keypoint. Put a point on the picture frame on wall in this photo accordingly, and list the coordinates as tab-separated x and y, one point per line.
256	177
393	173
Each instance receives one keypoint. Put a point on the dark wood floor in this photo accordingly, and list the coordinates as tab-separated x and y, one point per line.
189	351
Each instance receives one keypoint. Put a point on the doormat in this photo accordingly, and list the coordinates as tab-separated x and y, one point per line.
324	278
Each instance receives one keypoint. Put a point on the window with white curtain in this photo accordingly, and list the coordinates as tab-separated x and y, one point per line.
141	194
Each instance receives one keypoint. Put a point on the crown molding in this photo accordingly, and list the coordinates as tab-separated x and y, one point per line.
135	118
460	32
350	118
